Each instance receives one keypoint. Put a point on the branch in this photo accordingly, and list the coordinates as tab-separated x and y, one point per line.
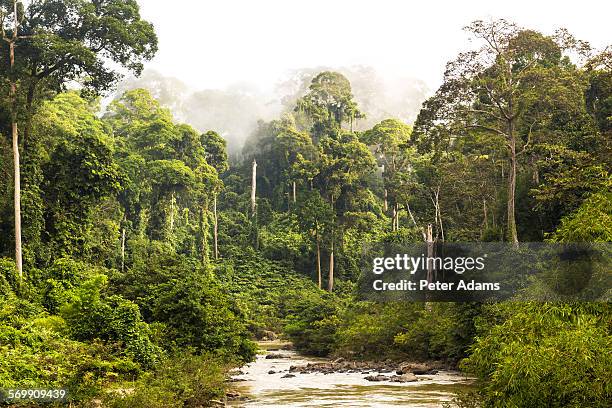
528	138
501	109
486	113
489	129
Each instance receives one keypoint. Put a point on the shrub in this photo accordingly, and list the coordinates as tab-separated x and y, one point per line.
312	321
113	319
186	381
543	355
198	315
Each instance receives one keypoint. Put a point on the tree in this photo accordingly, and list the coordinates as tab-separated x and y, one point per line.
79	173
390	139
51	43
510	88
216	156
329	103
344	162
316	217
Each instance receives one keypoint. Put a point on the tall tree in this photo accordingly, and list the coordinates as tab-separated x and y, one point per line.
216	156
390	139
53	42
329	103
508	88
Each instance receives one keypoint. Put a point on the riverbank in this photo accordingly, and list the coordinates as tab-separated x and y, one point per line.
289	379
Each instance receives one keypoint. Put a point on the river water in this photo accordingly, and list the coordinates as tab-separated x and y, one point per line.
337	389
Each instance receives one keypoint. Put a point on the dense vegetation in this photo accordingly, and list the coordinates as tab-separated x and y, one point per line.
150	262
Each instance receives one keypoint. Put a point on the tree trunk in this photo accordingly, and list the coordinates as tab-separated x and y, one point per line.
15	136
172	212
430	265
319	275
485	220
430	253
512	233
204	231
439	213
17	197
397	217
386	205
330	283
215	227
253	188
294	193
122	249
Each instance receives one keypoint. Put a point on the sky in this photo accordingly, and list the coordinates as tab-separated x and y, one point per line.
215	44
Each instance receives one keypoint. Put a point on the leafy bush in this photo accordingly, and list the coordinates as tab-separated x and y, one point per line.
407	330
112	319
312	321
543	355
34	352
591	222
186	381
198	315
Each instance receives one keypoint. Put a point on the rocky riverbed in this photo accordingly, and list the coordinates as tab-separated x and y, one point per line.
283	378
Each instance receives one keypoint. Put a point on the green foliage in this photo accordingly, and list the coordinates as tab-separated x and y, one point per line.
260	287
543	355
407	330
121	211
312	321
186	381
198	315
35	352
67	40
329	103
281	239
591	222
112	319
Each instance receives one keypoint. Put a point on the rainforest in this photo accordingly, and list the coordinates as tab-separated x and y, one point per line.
149	261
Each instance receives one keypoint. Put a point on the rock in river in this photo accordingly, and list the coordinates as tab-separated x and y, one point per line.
272	355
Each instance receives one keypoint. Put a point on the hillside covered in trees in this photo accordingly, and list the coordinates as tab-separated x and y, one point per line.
136	255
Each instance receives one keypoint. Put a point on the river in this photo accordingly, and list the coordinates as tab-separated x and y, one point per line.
336	389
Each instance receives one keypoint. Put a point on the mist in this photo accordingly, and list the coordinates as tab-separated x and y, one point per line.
233	111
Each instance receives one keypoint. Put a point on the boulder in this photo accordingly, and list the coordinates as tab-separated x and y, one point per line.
409	377
268	335
378	377
273	355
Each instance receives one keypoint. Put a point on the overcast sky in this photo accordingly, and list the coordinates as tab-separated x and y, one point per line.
212	44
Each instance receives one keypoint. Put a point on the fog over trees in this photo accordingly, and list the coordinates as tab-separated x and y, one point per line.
235	110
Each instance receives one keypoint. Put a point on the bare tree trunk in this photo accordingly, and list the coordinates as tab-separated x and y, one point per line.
512	233
294	193
172	212
253	187
330	283
122	249
15	137
215	227
204	231
485	220
430	265
319	276
438	212
430	247
397	216
17	198
393	218
386	205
